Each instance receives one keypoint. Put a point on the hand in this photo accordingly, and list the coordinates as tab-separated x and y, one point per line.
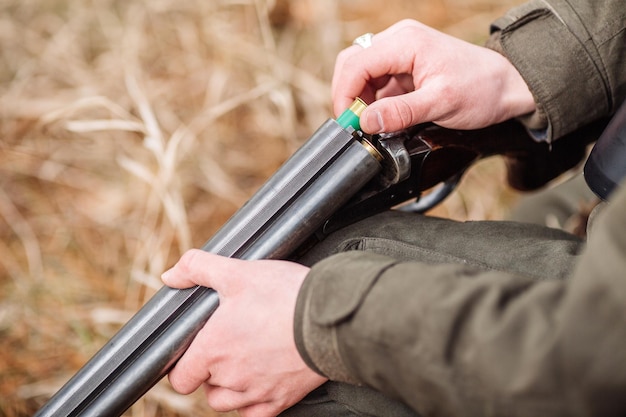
245	356
413	74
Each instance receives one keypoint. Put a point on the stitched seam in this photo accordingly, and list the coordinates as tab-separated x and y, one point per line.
554	12
464	261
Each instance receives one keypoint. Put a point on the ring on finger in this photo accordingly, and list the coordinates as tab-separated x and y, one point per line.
364	41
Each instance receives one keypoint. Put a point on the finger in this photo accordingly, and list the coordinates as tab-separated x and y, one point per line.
193	368
342	77
399	84
184	382
362	74
260	410
391	114
197	267
223	399
359	85
347	83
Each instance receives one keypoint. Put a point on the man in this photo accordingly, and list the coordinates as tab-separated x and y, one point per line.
404	315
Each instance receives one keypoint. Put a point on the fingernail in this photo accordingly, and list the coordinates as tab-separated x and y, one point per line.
374	122
166	276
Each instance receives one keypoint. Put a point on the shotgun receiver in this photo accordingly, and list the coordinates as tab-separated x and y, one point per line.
338	176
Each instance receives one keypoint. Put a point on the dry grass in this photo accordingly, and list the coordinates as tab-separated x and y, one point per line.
131	130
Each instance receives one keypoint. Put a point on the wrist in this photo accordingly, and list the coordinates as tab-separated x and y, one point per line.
516	99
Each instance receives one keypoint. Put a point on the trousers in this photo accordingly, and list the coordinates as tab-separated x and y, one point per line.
490	242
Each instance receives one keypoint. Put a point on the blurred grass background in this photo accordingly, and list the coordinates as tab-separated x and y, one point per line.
131	130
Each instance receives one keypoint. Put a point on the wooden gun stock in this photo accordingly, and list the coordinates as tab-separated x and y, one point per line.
530	164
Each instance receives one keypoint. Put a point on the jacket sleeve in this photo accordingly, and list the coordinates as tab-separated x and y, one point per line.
572	55
455	340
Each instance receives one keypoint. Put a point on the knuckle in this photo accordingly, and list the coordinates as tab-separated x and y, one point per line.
343	55
406	24
409	27
405	112
188	260
179	384
399	114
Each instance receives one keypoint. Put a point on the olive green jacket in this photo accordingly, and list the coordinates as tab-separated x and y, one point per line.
572	55
490	318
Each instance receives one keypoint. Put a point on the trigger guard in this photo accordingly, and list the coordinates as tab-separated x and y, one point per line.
436	196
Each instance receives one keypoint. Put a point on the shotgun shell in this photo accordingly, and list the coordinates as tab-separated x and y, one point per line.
350	116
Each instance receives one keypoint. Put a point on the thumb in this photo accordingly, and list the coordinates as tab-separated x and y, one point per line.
390	114
198	267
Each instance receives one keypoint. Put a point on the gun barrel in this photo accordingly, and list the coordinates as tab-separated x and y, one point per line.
318	179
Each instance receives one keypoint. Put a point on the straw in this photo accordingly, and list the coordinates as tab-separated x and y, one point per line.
131	130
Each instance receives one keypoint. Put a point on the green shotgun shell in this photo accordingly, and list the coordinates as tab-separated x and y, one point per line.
350	116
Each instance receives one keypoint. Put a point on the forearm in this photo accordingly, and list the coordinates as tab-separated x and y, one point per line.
571	53
454	339
439	337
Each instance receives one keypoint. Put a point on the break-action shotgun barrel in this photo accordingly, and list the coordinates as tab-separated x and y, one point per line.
338	176
295	202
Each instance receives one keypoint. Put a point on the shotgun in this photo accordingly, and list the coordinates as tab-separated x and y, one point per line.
338	176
